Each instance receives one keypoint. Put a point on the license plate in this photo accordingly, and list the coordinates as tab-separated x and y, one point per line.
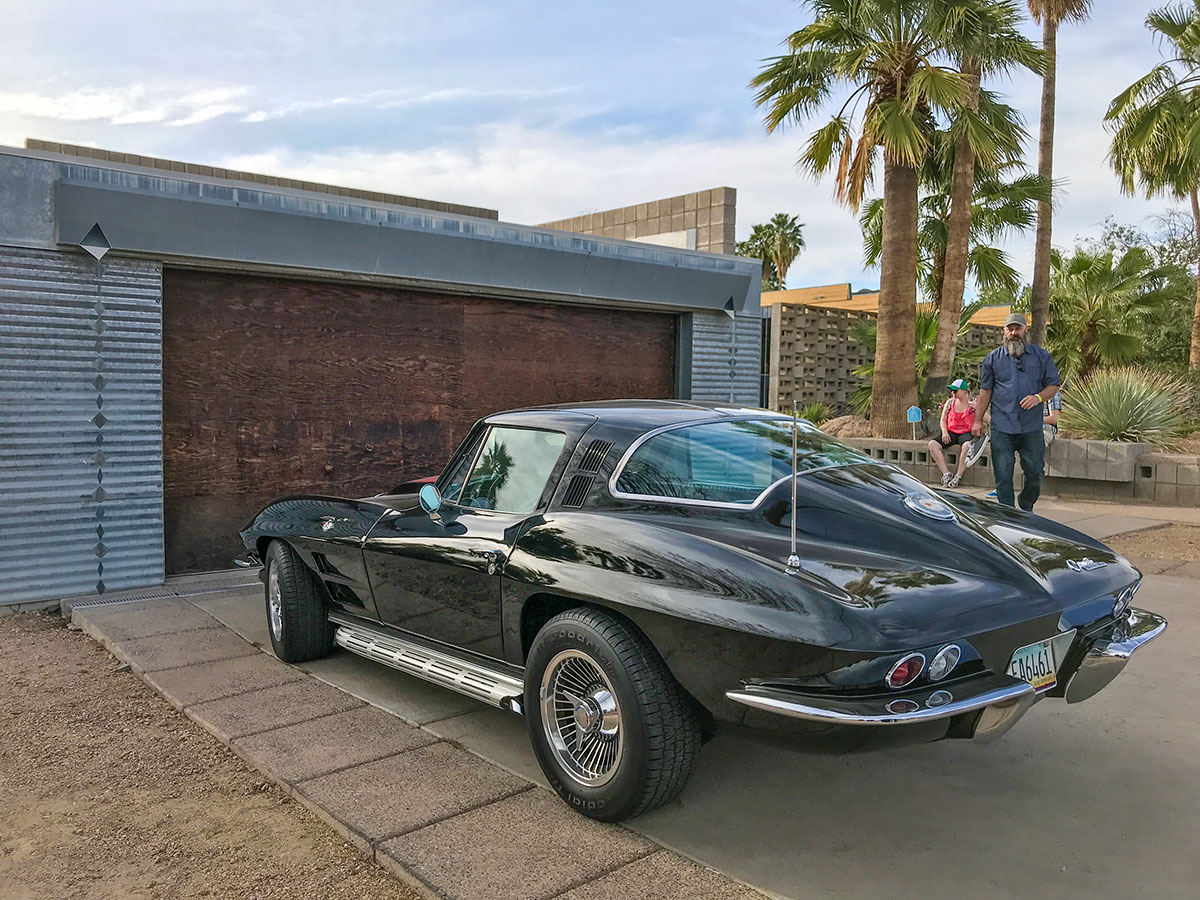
1035	663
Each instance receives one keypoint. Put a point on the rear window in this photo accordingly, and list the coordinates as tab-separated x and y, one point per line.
728	461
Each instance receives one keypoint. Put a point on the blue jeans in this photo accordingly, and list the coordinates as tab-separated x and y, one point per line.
1032	447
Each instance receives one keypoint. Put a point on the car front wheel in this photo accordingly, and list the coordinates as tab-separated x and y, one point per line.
297	618
611	729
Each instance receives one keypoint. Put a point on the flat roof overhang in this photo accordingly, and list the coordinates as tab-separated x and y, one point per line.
203	222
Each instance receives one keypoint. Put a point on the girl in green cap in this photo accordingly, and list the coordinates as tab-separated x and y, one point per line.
958	415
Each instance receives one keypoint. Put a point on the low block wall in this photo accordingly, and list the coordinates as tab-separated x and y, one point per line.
1093	470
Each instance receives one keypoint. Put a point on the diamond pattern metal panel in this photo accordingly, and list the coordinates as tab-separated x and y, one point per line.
80	424
726	358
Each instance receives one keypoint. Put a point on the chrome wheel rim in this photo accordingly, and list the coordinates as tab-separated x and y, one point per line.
581	718
274	602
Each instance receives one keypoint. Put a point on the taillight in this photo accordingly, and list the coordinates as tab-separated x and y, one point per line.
906	671
947	658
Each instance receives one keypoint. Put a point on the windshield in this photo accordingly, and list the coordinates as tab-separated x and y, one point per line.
728	461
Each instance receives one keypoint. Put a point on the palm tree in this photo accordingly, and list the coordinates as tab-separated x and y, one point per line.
895	59
785	241
758	246
777	244
986	48
1003	204
1049	14
1100	305
1156	126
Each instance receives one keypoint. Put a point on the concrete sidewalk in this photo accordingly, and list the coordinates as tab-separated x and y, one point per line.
445	791
381	773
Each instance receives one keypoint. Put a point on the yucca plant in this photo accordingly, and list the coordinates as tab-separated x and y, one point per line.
817	413
1127	404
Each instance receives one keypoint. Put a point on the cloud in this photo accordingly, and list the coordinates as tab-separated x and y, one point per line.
400	99
131	104
540	175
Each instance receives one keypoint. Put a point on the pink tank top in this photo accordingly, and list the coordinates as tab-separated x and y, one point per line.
959	423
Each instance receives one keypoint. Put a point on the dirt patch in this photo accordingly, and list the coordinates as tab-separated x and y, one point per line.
1167	550
107	792
847	426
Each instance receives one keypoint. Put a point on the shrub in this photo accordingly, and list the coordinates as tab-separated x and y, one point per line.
816	413
1127	404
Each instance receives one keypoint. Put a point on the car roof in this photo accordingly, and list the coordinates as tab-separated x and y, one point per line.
646	414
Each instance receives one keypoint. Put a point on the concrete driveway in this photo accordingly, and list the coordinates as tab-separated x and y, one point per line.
1096	800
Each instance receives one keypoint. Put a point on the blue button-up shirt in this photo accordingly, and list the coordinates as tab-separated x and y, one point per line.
1010	379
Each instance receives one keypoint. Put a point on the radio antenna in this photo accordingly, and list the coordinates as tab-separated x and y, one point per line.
793	560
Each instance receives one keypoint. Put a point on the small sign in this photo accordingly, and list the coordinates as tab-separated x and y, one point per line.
914	414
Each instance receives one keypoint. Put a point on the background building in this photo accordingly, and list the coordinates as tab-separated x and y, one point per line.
182	344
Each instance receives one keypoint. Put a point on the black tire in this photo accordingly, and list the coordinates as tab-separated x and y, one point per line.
657	735
301	631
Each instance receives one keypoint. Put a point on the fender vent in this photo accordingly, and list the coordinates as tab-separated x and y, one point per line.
594	456
577	491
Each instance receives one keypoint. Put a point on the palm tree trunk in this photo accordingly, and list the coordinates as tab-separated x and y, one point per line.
1040	302
1194	355
939	276
958	239
895	382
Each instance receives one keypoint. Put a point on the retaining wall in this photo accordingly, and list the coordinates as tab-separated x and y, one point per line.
1092	470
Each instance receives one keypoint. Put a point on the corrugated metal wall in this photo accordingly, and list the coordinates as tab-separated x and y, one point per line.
726	358
80	425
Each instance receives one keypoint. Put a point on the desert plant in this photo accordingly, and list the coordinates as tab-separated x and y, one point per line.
817	413
1127	404
1102	304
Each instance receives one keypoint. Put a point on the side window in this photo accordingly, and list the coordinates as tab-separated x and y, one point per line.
453	485
511	471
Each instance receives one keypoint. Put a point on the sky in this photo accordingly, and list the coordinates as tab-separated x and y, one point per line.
541	110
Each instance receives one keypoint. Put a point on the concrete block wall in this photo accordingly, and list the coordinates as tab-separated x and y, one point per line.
813	354
1091	470
712	214
1168	479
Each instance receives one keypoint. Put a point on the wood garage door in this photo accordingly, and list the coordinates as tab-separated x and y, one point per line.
274	386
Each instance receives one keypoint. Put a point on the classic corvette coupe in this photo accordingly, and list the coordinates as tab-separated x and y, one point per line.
632	576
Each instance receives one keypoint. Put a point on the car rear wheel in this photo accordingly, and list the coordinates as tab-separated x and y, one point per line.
297	618
611	729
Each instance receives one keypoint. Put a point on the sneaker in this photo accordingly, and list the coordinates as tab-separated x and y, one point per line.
946	476
991	495
975	449
954	480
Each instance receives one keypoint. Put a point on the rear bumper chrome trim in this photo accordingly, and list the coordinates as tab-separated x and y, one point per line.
1002	698
453	672
1105	659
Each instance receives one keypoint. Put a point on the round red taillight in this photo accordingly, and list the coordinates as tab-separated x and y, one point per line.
906	671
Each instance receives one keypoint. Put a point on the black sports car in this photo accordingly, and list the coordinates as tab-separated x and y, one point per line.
631	575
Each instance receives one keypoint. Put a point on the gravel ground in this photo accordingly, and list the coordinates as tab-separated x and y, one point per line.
1175	548
108	792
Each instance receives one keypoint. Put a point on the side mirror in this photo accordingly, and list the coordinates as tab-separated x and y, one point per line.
431	501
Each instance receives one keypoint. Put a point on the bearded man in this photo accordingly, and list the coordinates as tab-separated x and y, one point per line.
1015	380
